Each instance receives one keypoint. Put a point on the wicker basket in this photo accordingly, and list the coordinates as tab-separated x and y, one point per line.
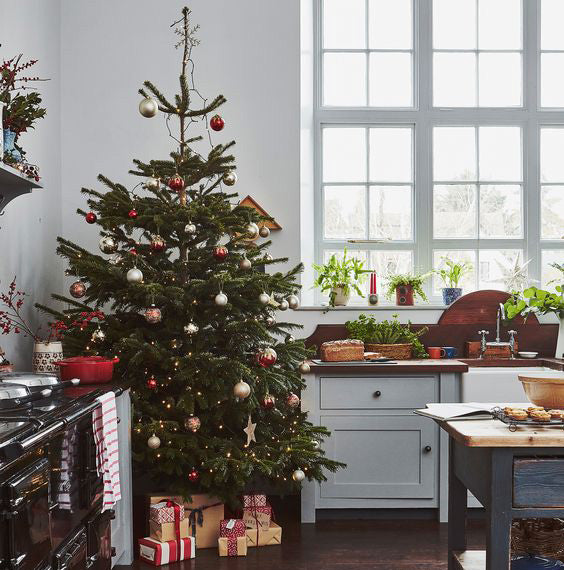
543	537
395	351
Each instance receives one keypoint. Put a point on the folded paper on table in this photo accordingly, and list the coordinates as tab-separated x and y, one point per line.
159	553
235	546
258	537
163	532
447	412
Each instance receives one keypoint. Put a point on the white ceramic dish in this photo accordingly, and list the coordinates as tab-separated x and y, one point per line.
528	354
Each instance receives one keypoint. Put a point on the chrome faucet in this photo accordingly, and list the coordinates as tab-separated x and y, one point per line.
498	342
483	343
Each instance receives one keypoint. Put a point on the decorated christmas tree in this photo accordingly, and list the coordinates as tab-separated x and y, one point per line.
194	312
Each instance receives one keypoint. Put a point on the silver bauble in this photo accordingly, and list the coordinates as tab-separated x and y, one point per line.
153	315
264	298
298	475
252	231
193	423
316	444
191	328
148	107
293	301
283	305
190	228
98	336
292	401
290	338
268	257
244	264
304	368
270	321
264	232
152	183
221	299
107	244
154	442
230	178
134	275
241	390
115	259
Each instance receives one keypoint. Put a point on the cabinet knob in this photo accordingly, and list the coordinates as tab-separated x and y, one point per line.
377	394
427	449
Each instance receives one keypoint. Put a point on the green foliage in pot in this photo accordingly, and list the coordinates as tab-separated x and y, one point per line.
416	281
453	272
346	274
533	300
371	331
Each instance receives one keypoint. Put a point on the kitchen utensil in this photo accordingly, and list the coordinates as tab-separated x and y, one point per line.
544	388
38	382
436	352
90	369
13	396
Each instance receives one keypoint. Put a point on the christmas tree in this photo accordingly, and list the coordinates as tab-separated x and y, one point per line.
192	314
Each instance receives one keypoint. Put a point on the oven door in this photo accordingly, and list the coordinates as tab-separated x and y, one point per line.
100	551
72	554
26	514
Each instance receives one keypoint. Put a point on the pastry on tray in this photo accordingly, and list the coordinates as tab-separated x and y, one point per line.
532	409
539	416
519	415
342	350
556	414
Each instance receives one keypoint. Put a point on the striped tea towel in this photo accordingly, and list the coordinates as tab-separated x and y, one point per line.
104	425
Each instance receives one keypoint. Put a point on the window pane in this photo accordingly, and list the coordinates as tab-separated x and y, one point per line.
344	24
500	79
552	163
344	79
454	153
391	155
390	80
552	79
390	212
499	24
468	282
501	212
500	153
344	212
454	80
454	24
454	208
497	266
552	212
387	263
552	16
344	155
549	273
391	24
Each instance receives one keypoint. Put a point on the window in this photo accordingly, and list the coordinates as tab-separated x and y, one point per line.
432	145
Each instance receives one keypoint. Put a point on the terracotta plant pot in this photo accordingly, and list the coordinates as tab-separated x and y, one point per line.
544	388
45	354
404	295
395	351
340	299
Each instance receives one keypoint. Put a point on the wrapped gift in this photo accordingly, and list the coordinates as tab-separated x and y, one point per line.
159	553
235	546
257	517
258	537
254	501
163	532
204	515
166	512
232	528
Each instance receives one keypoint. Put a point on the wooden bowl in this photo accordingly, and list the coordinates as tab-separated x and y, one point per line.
544	388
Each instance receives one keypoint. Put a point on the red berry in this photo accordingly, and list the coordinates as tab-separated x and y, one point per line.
91	218
132	213
151	383
176	183
193	476
217	123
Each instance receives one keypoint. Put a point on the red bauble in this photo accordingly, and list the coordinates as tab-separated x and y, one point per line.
268	402
77	289
293	401
132	213
158	243
91	218
193	476
266	357
217	123
133	251
176	183
152	383
220	252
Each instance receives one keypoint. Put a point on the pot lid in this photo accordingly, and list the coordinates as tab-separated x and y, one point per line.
30	378
86	360
12	391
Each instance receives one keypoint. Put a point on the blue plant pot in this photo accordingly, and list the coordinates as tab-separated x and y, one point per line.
450	294
9	144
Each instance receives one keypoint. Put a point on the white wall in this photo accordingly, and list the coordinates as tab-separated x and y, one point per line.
31	222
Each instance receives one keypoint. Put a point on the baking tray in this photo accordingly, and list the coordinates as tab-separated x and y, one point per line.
499	414
355	362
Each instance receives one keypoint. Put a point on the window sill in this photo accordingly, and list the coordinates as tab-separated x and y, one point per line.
324	308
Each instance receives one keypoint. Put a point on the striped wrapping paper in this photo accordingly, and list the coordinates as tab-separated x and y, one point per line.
159	553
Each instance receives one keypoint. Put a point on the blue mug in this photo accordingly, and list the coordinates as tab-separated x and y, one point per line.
450	351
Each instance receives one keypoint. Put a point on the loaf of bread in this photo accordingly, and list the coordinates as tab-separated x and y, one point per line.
342	350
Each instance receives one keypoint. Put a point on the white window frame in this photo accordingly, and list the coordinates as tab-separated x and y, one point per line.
423	117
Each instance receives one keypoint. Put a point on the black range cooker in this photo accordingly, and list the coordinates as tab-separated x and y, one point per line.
50	491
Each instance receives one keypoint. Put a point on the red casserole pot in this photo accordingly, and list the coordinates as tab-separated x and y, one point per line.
90	369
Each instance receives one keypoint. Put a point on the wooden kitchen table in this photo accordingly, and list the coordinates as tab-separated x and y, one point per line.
513	474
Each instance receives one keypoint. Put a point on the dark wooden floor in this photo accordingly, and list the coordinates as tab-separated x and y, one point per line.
345	545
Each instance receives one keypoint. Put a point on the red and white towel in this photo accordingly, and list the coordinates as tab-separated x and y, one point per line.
104	424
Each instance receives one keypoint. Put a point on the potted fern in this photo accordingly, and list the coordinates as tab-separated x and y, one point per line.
389	338
340	277
406	287
451	274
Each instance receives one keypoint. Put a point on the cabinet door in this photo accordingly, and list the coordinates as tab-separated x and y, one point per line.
387	457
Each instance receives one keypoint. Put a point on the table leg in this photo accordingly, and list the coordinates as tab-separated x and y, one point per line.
498	532
457	504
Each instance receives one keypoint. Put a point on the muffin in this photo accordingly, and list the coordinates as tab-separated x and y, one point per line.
519	415
540	416
556	414
532	409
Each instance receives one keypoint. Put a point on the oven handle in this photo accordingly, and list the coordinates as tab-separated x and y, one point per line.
17	448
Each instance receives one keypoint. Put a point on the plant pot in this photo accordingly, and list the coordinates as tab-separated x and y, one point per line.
451	294
560	341
395	351
9	144
404	295
340	298
45	354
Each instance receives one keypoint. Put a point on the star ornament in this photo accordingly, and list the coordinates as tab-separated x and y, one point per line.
250	431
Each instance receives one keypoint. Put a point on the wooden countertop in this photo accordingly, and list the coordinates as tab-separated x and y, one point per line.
401	367
494	433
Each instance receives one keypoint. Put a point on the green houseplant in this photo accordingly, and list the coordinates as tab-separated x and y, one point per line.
340	277
406	287
389	338
451	273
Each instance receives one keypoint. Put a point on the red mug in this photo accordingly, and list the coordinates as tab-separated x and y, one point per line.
436	352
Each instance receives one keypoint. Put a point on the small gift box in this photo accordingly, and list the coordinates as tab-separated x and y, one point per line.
229	528
163	532
257	517
236	546
159	553
166	512
257	537
254	501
